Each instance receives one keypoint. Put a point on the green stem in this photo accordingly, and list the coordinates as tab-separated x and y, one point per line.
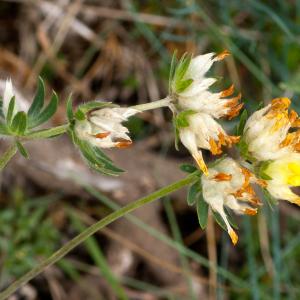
7	156
94	228
153	105
47	133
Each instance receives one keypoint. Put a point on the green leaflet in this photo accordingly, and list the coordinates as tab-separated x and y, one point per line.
219	220
182	67
7	156
243	148
95	158
182	85
3	129
19	123
188	168
38	101
10	111
193	191
172	71
242	122
177	81
22	150
1	108
46	114
231	218
202	211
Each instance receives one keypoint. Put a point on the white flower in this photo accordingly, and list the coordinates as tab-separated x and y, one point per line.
197	95
8	94
204	132
267	131
228	184
103	127
285	174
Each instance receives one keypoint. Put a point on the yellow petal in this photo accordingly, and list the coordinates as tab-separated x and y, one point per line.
234	237
200	162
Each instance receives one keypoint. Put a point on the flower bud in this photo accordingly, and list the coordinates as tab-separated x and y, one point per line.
103	127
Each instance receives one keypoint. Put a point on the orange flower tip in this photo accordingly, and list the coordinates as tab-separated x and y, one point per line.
123	144
263	183
293	117
250	211
234	111
214	148
222	177
296	201
201	164
221	137
234	237
280	103
227	92
296	123
102	135
222	55
234	139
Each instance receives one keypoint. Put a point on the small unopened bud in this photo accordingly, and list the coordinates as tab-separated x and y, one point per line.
103	127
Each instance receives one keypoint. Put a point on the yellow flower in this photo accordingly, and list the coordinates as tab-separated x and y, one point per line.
285	174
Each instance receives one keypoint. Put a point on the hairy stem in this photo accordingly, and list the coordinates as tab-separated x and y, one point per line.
153	105
47	133
94	228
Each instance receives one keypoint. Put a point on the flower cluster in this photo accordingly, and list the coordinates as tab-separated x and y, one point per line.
269	141
197	108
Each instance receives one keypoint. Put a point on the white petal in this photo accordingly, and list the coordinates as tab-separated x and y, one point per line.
197	87
199	66
206	102
8	94
117	114
188	139
283	192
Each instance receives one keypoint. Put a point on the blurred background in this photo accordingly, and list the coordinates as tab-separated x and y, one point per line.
120	51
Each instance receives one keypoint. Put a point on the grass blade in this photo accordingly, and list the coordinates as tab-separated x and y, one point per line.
99	259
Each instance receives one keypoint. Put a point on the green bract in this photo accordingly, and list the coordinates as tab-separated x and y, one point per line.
180	120
261	168
177	81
